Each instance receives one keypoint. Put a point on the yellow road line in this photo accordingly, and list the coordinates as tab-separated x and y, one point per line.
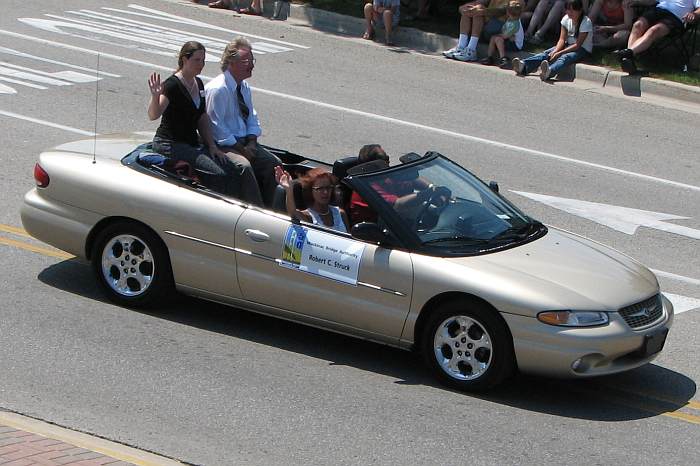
14	230
29	247
692	404
683	417
88	442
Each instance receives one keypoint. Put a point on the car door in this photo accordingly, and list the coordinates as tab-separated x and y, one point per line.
341	283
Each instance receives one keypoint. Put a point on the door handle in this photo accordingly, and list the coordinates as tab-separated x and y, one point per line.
257	235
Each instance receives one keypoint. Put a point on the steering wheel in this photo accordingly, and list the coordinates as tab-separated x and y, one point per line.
436	198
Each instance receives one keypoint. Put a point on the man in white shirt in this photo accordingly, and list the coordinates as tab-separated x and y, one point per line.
235	123
666	17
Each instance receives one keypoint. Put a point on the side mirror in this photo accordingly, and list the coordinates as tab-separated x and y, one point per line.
494	186
370	232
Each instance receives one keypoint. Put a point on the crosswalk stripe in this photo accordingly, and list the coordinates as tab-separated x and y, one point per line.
179	19
21	83
7	89
34	77
70	76
265	47
56	62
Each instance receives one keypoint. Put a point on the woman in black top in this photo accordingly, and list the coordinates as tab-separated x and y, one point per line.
179	103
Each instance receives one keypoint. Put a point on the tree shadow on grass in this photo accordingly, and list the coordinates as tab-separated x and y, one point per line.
648	391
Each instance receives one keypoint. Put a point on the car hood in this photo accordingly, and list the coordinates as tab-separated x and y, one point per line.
110	146
567	271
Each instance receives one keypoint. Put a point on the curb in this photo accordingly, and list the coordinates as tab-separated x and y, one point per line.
98	445
432	43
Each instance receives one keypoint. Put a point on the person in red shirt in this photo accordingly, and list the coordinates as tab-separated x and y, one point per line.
398	193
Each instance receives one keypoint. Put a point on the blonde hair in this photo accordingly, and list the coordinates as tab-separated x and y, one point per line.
232	51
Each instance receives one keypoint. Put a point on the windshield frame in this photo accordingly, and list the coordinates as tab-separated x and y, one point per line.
401	230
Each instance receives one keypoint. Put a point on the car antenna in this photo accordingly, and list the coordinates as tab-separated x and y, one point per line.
97	93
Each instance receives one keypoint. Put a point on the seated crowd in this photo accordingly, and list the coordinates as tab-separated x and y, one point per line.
628	26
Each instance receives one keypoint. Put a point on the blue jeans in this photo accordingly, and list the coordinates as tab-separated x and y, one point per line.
566	59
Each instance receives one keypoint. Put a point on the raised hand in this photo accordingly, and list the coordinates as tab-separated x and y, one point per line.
282	177
155	85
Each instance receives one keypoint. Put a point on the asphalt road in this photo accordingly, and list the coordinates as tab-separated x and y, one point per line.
209	385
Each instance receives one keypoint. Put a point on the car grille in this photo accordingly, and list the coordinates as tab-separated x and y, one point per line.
643	313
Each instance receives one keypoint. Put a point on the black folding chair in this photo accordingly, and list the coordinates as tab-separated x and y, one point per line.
682	41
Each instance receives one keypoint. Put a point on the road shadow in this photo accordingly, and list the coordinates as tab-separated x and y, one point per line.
648	391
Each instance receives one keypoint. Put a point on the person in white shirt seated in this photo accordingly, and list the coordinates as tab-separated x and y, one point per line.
668	16
234	121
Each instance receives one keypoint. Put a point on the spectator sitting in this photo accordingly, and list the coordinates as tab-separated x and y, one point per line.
382	13
612	21
666	17
471	24
317	187
528	10
552	14
575	44
511	36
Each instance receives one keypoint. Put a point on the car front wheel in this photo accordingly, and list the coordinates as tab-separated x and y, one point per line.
132	265
467	346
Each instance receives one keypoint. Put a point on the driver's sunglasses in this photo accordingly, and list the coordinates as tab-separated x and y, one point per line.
323	188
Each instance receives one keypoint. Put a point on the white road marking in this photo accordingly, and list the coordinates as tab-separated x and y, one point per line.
7	89
46	123
673	276
92	71
21	83
179	19
520	150
71	76
682	304
32	77
623	219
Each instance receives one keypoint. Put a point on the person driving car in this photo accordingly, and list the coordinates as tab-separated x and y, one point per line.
403	195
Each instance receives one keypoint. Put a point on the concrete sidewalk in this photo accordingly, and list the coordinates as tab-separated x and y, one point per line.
26	441
431	43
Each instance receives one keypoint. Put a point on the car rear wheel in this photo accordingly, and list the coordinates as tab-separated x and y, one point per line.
132	265
467	346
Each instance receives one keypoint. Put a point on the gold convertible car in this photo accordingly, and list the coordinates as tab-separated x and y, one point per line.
466	278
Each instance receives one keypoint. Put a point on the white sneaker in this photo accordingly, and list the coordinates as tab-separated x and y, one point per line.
544	70
451	53
465	55
518	66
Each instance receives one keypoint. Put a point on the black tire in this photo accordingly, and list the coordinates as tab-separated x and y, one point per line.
134	254
477	333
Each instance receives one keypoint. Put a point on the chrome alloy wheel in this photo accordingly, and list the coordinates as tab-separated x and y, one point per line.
462	348
127	265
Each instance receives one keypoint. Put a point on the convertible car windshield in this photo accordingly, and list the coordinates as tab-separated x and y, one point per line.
445	206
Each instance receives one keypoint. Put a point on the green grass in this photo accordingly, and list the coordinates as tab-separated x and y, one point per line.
447	22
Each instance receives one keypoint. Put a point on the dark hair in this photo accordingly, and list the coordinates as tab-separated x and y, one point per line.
371	152
187	51
575	5
311	177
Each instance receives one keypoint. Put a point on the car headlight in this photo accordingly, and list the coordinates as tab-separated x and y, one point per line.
573	318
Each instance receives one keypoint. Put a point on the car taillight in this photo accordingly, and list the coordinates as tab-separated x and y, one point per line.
40	176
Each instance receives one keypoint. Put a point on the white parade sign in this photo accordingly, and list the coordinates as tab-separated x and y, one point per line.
322	254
